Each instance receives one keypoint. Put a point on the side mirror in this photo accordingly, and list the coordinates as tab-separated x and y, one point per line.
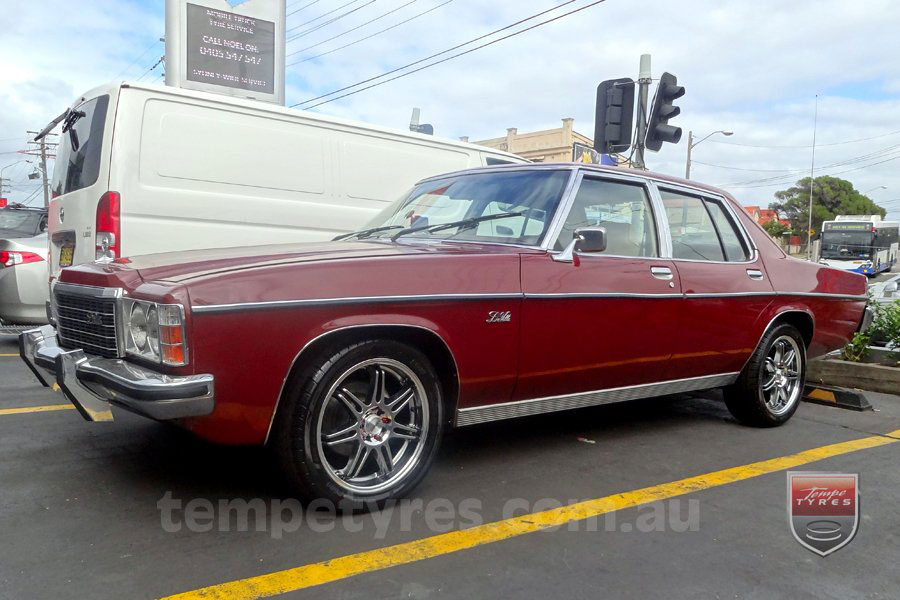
585	240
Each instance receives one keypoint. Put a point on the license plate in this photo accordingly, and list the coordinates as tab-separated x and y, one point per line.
66	253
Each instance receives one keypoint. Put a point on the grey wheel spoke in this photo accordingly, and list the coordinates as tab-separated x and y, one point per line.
376	385
770	365
779	352
347	434
400	400
407	432
789	357
353	404
385	460
768	384
353	463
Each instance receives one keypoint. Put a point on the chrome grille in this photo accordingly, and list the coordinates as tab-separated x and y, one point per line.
87	322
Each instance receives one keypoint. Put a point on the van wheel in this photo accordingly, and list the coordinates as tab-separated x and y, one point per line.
768	390
364	426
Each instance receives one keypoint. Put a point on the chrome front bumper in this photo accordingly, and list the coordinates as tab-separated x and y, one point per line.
92	383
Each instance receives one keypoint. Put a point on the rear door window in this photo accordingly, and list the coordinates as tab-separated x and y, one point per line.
78	166
702	229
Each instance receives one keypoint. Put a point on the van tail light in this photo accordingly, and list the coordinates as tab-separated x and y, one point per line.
109	226
11	259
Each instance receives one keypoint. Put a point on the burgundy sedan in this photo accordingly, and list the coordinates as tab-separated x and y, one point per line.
480	295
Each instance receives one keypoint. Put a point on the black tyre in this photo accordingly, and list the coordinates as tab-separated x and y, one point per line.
362	425
769	388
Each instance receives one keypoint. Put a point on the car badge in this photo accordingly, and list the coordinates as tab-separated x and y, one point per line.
62	214
93	318
823	509
499	316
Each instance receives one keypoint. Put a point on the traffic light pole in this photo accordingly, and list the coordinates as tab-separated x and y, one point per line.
643	92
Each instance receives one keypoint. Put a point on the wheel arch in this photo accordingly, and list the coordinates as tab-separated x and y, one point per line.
418	336
800	318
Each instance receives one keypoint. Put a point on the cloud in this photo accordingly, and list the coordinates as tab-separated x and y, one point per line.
752	67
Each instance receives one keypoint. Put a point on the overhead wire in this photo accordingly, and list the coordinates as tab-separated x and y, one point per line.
458	46
343	33
322	16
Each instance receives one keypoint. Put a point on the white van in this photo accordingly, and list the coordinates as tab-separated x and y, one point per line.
143	169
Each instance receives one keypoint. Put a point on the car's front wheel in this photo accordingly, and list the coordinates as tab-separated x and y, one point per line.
769	388
363	425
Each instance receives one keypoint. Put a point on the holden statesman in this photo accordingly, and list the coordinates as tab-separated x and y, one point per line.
480	295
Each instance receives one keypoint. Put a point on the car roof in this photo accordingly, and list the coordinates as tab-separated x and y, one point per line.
659	177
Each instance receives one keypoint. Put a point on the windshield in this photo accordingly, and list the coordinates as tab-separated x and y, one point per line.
532	195
21	223
846	244
78	166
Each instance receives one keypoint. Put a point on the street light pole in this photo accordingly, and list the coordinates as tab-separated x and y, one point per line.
691	144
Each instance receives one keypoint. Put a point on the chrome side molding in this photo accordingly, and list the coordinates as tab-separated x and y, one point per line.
521	408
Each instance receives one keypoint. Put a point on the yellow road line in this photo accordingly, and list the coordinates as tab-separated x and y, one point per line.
34	409
10	355
282	582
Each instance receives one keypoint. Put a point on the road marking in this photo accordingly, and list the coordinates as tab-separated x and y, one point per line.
10	355
34	409
282	582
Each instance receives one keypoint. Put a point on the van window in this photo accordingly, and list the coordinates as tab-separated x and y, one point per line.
79	168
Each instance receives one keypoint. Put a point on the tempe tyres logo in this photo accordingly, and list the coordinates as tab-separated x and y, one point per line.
823	509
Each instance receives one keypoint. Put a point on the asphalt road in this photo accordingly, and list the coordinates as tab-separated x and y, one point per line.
79	513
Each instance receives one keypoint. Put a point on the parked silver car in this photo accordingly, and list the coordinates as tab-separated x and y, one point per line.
886	291
23	266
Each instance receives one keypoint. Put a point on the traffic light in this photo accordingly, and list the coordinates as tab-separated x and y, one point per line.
658	128
613	116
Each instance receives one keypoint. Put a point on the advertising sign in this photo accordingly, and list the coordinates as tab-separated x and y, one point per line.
227	47
823	509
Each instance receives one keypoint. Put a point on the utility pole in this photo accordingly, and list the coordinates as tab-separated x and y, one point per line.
687	167
41	152
643	91
44	172
812	182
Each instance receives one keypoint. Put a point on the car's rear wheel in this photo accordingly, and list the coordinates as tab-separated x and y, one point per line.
768	390
363	425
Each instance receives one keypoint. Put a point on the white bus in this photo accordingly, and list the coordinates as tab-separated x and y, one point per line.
860	243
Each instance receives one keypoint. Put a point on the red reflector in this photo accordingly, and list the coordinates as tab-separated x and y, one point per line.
11	259
108	232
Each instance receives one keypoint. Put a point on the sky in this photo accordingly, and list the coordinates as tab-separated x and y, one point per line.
755	68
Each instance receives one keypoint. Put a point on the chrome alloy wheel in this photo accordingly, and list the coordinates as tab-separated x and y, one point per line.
372	426
781	379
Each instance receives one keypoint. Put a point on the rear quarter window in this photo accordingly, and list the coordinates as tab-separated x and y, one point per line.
79	167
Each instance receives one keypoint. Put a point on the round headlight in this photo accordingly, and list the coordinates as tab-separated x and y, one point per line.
153	326
138	327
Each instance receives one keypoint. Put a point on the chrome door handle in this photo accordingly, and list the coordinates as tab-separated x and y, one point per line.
664	273
755	274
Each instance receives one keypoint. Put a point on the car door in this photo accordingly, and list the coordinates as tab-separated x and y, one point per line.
725	286
601	320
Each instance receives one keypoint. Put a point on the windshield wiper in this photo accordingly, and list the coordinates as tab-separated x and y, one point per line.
462	224
69	125
365	232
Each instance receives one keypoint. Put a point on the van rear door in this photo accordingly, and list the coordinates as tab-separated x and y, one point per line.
80	178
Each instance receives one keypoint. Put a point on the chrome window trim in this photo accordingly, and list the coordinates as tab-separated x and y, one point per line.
552	296
338	330
705	194
564	208
520	408
275	304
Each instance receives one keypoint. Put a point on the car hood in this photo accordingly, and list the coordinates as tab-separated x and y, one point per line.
179	267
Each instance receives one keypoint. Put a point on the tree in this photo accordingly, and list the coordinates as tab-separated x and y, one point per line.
831	196
775	228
